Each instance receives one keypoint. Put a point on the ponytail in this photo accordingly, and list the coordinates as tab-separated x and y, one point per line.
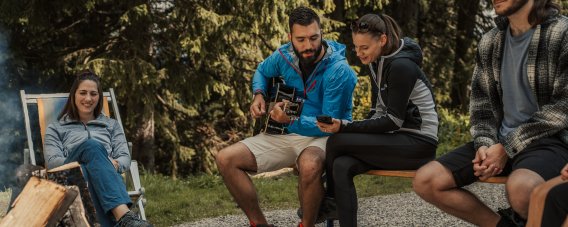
393	33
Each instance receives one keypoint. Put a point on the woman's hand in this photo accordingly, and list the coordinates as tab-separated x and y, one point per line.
564	172
329	128
115	164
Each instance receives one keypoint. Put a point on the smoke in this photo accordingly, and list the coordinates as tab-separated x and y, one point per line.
11	118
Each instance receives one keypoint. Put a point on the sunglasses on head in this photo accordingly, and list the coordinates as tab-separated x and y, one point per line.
360	26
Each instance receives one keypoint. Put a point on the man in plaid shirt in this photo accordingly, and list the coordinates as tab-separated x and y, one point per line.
519	115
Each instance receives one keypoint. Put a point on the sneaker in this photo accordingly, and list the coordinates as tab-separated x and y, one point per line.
327	210
130	219
252	224
510	218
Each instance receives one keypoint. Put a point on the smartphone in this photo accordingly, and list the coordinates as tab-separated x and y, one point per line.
324	119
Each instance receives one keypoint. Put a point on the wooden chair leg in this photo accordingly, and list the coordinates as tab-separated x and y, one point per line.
138	187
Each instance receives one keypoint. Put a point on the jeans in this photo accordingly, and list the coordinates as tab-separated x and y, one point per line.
105	184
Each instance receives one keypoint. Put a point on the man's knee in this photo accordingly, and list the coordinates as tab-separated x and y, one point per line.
520	185
235	156
311	162
222	159
431	178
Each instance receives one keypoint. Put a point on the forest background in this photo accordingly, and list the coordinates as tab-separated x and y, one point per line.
182	68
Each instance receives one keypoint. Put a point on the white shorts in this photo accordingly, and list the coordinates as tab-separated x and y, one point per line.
274	152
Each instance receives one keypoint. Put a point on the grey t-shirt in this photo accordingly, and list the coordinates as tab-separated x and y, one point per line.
519	102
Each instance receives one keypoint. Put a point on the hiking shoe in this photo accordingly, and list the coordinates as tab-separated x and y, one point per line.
252	224
130	219
510	218
327	210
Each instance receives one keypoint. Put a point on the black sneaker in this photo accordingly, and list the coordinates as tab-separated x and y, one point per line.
509	218
130	219
327	210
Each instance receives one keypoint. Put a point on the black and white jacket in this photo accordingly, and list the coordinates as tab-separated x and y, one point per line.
405	101
547	70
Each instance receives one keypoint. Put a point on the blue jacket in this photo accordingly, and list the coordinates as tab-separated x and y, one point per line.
328	90
64	135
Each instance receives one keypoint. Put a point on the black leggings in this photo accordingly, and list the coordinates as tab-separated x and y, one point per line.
351	154
556	206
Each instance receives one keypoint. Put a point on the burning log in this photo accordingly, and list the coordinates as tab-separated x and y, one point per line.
56	196
41	203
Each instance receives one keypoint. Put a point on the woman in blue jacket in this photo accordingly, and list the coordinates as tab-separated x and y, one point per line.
400	131
84	134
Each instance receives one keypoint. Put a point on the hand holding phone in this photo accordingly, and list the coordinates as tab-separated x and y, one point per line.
324	119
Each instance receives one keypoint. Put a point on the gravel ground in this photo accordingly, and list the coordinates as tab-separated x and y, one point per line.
405	209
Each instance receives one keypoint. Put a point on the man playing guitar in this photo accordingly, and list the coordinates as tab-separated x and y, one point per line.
317	69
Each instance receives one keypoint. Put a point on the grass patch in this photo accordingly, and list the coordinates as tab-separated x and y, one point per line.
370	185
173	202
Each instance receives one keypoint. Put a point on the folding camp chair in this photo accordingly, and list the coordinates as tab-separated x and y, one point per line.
48	108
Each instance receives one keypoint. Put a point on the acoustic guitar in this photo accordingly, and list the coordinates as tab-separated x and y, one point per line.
293	103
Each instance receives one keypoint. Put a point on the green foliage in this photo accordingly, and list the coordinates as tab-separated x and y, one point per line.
370	185
453	131
362	98
437	44
182	69
173	202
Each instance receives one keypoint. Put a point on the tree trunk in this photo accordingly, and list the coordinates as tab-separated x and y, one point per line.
406	13
463	60
144	142
338	13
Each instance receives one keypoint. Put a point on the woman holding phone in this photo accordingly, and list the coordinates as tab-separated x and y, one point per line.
400	131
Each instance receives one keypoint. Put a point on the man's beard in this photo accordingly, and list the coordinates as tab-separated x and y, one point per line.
517	5
308	60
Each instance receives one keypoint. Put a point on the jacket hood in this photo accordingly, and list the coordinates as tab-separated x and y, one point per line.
409	49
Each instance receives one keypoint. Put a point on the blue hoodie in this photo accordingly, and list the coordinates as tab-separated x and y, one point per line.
328	90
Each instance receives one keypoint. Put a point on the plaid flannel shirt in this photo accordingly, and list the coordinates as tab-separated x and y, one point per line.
547	69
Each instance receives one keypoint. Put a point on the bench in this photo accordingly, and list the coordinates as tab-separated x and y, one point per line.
411	174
